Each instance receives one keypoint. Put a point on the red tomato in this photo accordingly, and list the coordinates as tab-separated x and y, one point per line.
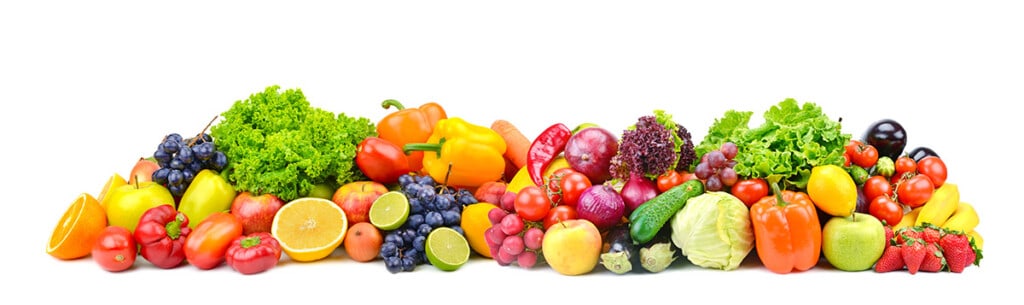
668	180
572	185
750	190
886	210
915	191
865	156
206	245
558	214
851	147
115	249
934	168
531	204
877	186
905	164
554	186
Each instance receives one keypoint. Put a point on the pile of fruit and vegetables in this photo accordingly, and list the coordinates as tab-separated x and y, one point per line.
274	178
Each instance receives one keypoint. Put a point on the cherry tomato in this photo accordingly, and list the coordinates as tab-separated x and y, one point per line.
877	186
531	203
554	186
883	208
750	190
558	214
851	147
934	168
209	241
915	191
905	164
865	156
846	160
115	249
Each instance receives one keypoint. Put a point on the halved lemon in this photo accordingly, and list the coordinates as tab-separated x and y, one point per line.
309	228
78	229
114	182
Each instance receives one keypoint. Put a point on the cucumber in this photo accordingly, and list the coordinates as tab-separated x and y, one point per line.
648	218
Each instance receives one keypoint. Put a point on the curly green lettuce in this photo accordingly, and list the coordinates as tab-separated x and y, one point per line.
791	141
277	143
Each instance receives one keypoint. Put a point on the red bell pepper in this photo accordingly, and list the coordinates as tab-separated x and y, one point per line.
381	161
254	253
786	230
161	235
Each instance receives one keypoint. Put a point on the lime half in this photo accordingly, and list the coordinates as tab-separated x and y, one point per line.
447	249
389	211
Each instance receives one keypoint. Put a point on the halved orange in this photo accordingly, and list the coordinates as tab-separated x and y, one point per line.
309	228
78	229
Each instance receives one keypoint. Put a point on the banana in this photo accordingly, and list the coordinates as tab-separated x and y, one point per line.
964	219
942	204
978	241
908	219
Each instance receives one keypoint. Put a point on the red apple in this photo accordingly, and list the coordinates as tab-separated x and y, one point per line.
256	212
143	171
355	198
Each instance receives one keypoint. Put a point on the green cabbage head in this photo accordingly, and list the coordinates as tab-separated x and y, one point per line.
713	231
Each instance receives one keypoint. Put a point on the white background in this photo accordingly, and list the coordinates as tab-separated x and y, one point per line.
90	86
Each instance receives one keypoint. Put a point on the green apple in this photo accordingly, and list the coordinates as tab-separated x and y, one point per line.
125	204
583	126
323	190
853	243
207	194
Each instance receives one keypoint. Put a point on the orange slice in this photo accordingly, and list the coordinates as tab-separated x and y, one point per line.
78	229
309	228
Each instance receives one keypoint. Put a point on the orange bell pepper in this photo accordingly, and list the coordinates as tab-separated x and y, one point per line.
787	231
410	125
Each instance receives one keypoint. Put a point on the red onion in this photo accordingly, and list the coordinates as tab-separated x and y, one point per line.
638	189
601	205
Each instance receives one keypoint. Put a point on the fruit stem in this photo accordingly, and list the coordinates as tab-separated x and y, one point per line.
200	134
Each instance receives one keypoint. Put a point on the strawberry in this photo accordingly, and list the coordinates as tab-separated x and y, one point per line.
913	254
930	234
933	259
959	251
908	233
888	236
891	260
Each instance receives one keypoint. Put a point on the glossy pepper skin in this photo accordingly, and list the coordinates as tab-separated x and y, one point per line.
410	125
787	231
545	148
474	153
381	161
206	246
161	235
253	253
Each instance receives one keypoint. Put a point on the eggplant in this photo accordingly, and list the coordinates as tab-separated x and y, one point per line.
919	153
888	136
620	254
659	253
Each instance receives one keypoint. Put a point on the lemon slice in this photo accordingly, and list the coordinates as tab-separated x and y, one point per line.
389	211
446	249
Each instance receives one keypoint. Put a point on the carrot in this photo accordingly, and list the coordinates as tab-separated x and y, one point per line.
517	145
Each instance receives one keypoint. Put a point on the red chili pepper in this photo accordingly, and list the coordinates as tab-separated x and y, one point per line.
545	148
254	253
161	236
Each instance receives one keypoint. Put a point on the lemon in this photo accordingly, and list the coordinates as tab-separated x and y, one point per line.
475	223
446	249
389	211
832	190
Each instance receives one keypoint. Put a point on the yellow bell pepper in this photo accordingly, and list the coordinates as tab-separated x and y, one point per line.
462	154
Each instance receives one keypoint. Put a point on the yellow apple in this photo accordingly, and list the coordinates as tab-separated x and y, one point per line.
125	204
572	247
